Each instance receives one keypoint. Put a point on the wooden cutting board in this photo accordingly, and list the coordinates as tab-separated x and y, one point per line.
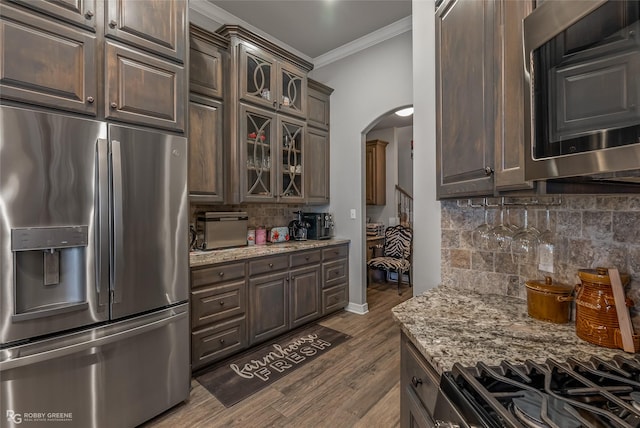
624	319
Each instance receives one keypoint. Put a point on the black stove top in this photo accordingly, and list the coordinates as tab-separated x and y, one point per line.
570	394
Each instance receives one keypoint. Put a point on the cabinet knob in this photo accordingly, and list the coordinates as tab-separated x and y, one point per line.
415	381
293	277
270	265
221	274
221	302
113	24
306	258
88	14
114	105
222	341
90	100
488	170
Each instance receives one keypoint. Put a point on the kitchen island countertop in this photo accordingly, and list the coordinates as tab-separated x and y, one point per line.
458	326
202	258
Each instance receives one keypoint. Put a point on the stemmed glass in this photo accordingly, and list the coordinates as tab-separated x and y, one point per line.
546	246
501	235
480	235
525	242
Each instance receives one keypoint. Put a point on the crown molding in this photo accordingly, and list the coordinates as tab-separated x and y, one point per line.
223	17
385	33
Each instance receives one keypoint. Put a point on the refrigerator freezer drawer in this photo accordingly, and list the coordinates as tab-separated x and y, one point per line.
114	376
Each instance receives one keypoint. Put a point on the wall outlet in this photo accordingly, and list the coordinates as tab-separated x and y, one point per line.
352	213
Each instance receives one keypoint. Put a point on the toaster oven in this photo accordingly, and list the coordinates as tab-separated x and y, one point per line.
215	230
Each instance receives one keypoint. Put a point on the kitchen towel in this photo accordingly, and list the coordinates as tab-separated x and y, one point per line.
240	376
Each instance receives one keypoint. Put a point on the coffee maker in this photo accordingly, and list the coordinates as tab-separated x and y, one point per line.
298	228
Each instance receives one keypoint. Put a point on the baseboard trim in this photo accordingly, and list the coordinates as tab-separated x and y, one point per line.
357	308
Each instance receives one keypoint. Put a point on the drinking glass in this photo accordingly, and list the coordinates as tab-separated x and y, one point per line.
525	242
546	246
501	235
481	234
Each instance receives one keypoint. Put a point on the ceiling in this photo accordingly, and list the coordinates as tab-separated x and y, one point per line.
319	28
315	27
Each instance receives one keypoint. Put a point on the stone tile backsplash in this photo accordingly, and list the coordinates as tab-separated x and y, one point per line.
590	231
260	215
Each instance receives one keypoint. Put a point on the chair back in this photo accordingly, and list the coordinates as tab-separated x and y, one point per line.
397	242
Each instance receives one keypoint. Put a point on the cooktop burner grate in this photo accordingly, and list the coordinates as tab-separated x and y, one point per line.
571	394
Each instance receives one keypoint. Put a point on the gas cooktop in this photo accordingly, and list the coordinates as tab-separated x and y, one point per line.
568	394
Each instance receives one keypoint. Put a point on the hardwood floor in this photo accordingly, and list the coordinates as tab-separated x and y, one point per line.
356	384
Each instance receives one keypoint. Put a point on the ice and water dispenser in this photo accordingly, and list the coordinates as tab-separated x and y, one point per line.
50	269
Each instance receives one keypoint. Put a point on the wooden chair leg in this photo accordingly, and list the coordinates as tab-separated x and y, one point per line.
368	275
399	281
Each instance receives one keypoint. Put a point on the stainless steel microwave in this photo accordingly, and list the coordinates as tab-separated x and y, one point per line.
582	94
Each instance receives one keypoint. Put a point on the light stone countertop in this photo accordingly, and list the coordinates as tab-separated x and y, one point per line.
452	326
201	258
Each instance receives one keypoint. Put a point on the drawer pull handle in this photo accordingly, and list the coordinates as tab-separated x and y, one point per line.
222	341
221	302
306	258
415	381
270	265
221	274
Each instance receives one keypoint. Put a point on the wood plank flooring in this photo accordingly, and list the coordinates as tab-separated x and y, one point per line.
356	384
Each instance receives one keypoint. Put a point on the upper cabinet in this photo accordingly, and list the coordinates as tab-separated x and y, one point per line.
158	26
479	97
465	98
316	164
269	82
112	59
266	113
208	62
318	104
376	174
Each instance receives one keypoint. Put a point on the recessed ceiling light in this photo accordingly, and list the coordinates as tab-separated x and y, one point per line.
405	112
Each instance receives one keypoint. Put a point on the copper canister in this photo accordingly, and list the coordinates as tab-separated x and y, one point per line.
596	315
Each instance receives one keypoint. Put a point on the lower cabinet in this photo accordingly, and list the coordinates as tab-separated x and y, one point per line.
243	303
418	387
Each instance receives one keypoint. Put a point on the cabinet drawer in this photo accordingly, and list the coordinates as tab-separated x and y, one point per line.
143	89
334	298
217	303
306	257
269	264
414	366
46	63
216	274
337	252
334	273
212	344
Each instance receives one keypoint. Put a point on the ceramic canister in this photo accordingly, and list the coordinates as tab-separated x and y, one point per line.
261	236
549	301
596	315
251	237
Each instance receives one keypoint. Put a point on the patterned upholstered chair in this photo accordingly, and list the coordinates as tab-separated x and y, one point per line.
396	253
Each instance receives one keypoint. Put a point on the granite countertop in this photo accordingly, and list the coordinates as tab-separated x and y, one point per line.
201	258
449	326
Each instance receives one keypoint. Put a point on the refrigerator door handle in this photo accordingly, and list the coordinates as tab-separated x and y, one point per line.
13	363
102	222
118	222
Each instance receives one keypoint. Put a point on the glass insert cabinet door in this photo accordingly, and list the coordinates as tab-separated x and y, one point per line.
258	129
258	77
291	165
293	90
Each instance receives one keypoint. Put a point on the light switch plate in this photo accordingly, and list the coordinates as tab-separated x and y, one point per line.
353	213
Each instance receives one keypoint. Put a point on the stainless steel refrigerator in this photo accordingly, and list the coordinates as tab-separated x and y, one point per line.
93	272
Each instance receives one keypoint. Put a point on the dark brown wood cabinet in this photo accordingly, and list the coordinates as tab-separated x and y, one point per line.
157	26
47	63
239	304
318	104
143	89
376	172
208	59
112	59
465	98
317	144
206	162
79	12
218	312
418	387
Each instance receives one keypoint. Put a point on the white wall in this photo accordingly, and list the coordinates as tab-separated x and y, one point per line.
367	85
426	255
